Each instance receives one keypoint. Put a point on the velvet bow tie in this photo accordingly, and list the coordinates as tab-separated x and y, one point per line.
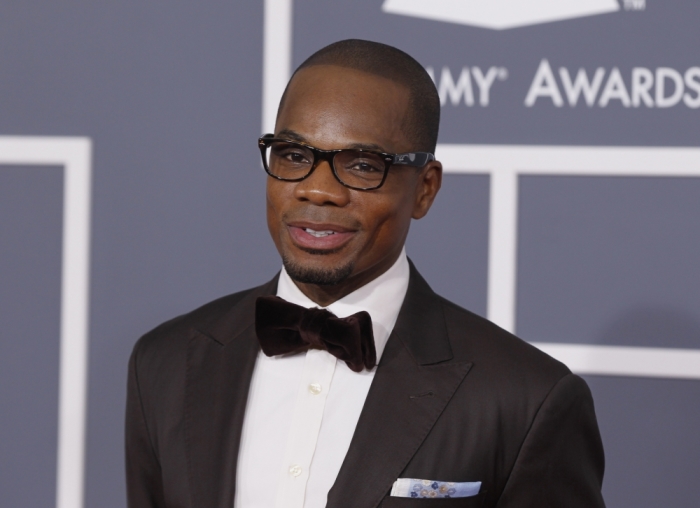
284	327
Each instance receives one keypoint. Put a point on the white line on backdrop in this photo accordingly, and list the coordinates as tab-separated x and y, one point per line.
75	155
277	57
504	163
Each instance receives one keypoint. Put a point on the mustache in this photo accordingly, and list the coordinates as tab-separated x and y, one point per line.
323	216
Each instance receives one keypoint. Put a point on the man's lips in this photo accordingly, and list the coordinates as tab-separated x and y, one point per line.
319	236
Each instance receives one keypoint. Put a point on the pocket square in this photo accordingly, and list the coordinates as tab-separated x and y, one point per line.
412	487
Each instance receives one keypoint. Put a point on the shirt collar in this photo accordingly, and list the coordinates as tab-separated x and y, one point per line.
381	298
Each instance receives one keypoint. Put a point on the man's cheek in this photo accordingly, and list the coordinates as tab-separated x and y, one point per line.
275	203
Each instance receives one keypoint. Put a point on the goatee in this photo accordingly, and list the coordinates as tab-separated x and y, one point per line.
317	276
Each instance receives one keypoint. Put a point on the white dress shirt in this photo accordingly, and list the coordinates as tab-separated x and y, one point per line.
303	408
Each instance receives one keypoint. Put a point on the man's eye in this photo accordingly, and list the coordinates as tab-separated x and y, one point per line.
364	167
292	155
296	157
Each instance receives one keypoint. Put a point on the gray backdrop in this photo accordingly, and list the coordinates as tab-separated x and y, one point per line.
170	94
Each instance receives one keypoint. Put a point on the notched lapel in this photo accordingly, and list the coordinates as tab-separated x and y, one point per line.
421	323
220	361
403	404
414	382
218	378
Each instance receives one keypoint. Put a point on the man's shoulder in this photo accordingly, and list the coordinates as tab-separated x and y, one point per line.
173	335
495	350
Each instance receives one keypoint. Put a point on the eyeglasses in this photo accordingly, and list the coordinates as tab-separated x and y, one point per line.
354	168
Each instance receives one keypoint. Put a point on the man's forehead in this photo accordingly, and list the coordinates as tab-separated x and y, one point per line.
328	102
329	80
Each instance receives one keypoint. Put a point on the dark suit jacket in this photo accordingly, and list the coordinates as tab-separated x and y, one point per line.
455	398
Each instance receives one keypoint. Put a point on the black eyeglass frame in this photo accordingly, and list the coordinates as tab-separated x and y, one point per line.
413	159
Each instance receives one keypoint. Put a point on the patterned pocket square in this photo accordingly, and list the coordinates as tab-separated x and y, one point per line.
411	487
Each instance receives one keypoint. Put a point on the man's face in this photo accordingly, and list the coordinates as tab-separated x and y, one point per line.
333	107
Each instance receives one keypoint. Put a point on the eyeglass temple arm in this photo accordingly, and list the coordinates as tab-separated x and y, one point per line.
418	159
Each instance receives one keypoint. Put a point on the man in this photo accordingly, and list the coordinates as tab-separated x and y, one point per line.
254	401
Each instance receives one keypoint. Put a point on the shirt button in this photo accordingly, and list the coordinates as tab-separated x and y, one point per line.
315	388
295	470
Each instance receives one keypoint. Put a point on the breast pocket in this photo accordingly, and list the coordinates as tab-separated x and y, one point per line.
453	502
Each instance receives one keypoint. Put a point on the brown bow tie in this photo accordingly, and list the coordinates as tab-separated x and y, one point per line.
284	327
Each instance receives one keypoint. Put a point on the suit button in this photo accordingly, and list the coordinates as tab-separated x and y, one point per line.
315	388
295	470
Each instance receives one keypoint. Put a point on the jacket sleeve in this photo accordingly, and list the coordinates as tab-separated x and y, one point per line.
561	461
143	472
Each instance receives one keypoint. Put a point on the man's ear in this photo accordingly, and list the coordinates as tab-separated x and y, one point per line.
427	187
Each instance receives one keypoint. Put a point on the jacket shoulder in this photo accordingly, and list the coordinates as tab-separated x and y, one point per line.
474	338
172	335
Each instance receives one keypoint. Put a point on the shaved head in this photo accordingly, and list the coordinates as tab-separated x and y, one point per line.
423	116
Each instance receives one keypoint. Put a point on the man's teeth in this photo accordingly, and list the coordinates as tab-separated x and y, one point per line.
319	234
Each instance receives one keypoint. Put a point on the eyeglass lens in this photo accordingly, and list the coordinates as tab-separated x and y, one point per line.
290	161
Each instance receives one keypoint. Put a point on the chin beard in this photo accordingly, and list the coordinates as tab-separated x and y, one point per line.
317	276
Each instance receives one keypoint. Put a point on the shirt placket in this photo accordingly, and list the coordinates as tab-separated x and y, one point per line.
312	393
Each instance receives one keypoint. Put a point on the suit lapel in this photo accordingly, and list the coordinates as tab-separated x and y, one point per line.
220	360
414	382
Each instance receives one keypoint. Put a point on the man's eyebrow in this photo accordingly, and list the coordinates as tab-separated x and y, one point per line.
290	134
295	136
368	146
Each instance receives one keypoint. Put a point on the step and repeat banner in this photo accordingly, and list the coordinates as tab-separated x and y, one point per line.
131	191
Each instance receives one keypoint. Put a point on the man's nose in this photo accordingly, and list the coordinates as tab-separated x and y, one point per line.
322	187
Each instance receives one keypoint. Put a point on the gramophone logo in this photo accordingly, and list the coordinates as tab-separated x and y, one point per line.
499	14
